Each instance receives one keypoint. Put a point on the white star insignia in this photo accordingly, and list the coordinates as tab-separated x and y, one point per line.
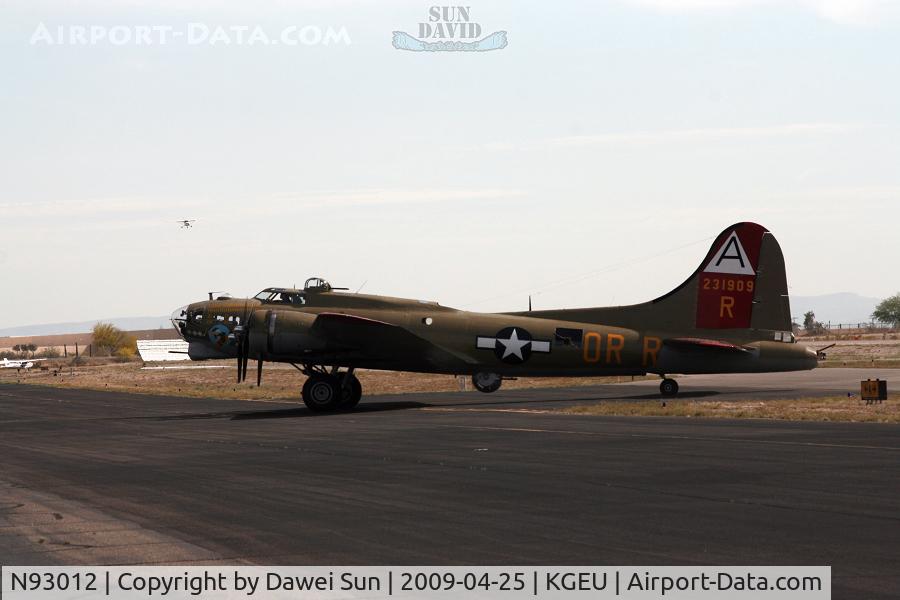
513	346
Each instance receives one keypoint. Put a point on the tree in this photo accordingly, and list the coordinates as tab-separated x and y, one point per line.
24	349
49	352
888	311
110	340
809	319
810	324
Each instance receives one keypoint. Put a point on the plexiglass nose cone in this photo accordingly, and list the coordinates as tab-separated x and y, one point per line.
179	319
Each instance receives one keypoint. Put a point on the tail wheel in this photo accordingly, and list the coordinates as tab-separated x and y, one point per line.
487	382
351	391
668	387
321	393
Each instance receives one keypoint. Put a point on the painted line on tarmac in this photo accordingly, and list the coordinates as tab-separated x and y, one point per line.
535	411
674	437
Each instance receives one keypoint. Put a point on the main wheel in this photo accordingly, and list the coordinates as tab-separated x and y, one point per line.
351	391
668	387
321	393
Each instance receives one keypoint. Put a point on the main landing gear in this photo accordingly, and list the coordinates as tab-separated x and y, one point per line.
331	391
668	388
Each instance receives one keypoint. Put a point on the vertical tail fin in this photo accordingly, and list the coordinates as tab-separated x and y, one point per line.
741	284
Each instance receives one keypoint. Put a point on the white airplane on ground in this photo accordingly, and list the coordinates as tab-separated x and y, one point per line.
19	364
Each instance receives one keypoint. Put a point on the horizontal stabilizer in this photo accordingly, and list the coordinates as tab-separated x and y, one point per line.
703	344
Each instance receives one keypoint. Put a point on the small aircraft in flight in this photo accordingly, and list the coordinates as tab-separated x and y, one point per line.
19	364
186	223
732	315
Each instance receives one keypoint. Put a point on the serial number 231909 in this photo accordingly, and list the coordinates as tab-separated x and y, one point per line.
727	285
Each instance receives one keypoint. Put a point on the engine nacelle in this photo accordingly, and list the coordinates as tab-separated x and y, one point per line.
205	351
282	333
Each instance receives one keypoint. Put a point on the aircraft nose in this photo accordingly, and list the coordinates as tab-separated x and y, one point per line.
179	320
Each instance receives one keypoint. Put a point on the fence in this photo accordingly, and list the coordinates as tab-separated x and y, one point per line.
832	329
876	326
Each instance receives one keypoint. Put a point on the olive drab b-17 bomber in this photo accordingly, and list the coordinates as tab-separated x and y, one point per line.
732	315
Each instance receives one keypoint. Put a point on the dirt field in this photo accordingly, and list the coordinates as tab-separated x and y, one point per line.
867	351
838	408
217	379
66	342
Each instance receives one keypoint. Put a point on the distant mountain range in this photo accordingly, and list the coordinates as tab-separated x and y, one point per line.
843	307
124	323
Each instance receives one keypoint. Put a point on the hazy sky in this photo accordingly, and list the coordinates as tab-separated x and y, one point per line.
588	163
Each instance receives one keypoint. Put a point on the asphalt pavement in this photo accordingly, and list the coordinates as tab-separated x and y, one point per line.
457	478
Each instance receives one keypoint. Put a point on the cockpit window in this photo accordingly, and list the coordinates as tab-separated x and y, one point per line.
276	296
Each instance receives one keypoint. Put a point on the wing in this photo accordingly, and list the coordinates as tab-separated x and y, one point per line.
376	339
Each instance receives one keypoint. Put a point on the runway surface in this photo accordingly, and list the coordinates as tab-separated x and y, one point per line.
460	478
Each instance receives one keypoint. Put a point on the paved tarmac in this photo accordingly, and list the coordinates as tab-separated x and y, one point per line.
460	478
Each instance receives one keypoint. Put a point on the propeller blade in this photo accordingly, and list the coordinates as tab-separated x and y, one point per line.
243	343
239	348
245	352
259	364
239	345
